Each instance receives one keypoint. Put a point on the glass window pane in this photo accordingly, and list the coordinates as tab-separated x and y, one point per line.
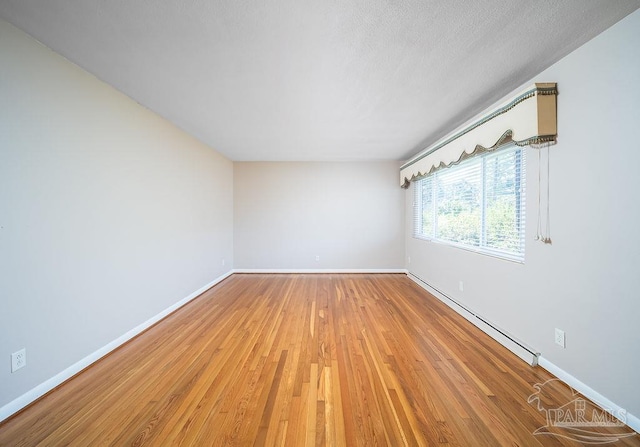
427	207
458	204
502	201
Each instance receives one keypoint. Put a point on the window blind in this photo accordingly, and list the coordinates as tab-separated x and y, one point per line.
478	204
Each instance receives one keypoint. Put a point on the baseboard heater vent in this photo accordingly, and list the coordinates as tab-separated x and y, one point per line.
514	345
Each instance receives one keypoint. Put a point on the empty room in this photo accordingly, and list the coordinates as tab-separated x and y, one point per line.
319	223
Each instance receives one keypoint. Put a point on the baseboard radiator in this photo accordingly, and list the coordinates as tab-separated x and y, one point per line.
514	345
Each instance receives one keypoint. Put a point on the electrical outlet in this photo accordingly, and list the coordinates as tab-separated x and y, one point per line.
224	262
317	258
461	286
409	260
560	339
18	360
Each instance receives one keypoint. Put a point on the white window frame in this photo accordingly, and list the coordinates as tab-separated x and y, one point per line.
482	248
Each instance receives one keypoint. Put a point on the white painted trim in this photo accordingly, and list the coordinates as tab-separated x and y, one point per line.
514	345
320	271
30	396
526	354
604	403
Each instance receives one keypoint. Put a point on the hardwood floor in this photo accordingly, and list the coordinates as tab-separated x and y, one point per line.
339	360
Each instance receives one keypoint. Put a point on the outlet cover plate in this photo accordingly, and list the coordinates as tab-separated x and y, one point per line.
560	338
18	360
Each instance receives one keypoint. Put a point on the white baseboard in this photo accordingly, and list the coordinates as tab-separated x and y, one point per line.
530	356
30	396
319	271
514	345
591	394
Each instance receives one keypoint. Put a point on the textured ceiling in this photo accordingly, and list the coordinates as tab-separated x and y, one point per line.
315	80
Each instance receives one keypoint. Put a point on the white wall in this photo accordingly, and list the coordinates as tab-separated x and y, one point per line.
588	282
108	213
349	214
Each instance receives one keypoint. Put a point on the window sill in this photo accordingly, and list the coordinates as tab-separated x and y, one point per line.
491	253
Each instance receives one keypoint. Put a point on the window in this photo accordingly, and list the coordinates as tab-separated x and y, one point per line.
478	204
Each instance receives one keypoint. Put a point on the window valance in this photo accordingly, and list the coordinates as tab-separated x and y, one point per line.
529	118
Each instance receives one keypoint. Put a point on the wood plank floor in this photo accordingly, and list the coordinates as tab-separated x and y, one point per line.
339	360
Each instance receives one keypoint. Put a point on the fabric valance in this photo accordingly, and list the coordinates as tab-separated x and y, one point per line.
529	118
